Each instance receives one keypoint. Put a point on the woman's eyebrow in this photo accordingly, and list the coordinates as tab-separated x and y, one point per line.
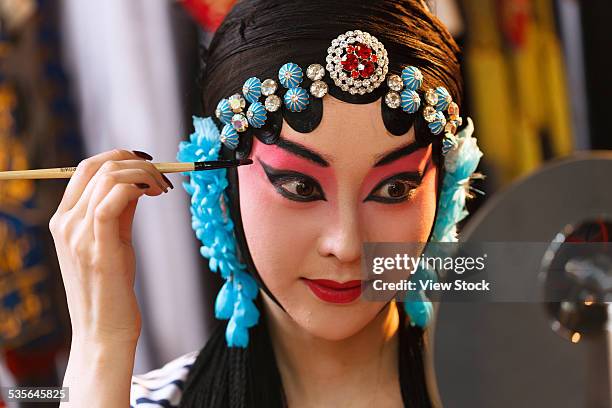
302	151
405	150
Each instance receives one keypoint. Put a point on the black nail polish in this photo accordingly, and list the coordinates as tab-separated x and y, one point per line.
142	155
167	180
143	186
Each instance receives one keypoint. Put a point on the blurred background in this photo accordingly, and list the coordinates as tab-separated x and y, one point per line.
78	77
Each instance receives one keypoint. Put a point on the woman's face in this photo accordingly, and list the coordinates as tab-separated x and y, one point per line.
309	204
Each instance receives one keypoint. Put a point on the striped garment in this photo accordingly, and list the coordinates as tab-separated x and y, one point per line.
162	387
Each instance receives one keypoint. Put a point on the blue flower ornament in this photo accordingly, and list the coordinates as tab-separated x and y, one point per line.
214	228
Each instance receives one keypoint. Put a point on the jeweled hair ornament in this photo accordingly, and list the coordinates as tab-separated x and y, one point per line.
358	64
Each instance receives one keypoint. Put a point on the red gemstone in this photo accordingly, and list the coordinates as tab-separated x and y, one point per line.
368	69
350	49
355	74
373	58
363	51
350	62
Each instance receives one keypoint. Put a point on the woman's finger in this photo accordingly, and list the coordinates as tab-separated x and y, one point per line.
113	166
85	171
107	181
106	217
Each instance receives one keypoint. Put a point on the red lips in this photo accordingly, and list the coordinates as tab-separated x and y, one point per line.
334	292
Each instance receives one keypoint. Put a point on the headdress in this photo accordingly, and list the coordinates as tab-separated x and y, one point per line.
358	64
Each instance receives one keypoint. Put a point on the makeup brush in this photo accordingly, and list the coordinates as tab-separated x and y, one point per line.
172	167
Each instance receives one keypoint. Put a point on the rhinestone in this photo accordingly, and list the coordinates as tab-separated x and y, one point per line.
394	82
353	91
357	83
392	99
429	113
350	62
237	103
272	103
318	89
315	72
431	97
450	127
453	109
457	120
239	122
268	87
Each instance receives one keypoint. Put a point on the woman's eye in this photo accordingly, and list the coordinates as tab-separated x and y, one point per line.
394	190
293	185
300	189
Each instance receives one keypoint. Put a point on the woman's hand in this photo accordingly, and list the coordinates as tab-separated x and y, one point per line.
93	238
92	230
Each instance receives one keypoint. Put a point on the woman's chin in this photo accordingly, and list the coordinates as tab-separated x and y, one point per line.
335	322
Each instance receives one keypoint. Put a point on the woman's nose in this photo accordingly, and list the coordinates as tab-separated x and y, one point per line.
342	237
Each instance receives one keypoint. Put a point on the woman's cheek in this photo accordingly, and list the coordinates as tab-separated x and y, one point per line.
280	233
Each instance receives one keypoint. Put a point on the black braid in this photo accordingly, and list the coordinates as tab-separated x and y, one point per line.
411	364
234	377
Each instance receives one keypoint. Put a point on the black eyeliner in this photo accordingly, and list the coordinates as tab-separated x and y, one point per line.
276	177
415	177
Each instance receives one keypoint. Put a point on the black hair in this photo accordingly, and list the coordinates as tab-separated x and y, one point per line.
255	39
